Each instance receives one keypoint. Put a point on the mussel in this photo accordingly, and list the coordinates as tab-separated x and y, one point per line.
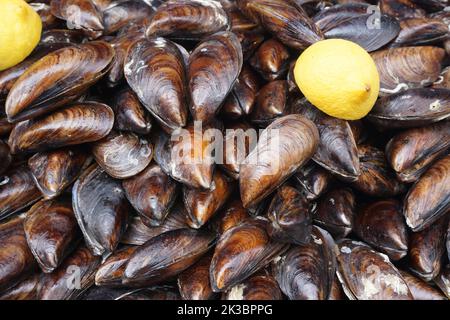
271	60
420	289
313	180
193	283
258	287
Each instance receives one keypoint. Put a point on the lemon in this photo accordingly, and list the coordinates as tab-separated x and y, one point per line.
20	31
338	77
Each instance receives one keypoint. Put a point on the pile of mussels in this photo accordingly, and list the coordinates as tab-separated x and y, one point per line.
93	206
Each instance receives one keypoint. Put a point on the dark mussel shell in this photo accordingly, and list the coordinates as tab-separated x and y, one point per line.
25	290
110	273
44	12
5	157
426	249
79	14
412	151
58	78
289	216
214	66
123	154
54	171
250	42
401	9
73	277
202	205
17	191
152	193
120	15
193	283
286	21
188	19
101	209
270	103
76	124
240	252
166	255
312	180
368	275
407	67
239	22
104	293
16	260
335	212
129	113
258	287
152	294
60	37
306	272
284	146
339	13
5	126
158	63
271	60
420	289
138	233
377	179
443	280
429	198
52	232
382	225
232	215
420	31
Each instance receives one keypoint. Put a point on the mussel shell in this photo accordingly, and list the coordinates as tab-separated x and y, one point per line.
25	290
271	60
231	215
258	287
193	283
120	15
166	255
54	171
153	293
420	31
101	209
17	191
72	278
429	198
426	249
368	275
16	260
241	251
420	289
5	157
289	216
76	124
103	293
401	8
250	42
214	66
444	79
382	225
158	63
53	37
412	151
152	193
188	19
335	212
339	13
110	273
443	280
312	180
295	140
44	12
52	232
270	103
336	292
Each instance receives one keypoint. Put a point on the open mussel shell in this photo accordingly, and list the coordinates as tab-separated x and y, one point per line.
240	252
408	67
420	31
123	154
426	249
79	14
371	35
17	191
368	275
129	113
312	180
25	290
5	157
101	209
73	277
52	232
58	78
306	272
289	216
152	193
382	225
76	124
412	151
158	63
165	256
284	146
377	179
214	66
202	205
339	13
120	15
257	287
231	215
16	260
193	283
443	280
54	171
188	19
335	212
110	273
271	60
429	198
270	103
401	8
420	289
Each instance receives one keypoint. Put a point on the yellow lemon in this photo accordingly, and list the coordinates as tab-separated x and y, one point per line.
20	31
338	77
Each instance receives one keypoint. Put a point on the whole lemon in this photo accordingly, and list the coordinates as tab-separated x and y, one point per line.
338	77
20	32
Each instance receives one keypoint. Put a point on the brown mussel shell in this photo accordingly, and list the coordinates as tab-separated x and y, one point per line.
271	60
25	290
312	180
5	157
110	273
232	215
52	232
420	31
258	287
193	283
101	209
58	78
270	103
76	124
120	15
420	289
